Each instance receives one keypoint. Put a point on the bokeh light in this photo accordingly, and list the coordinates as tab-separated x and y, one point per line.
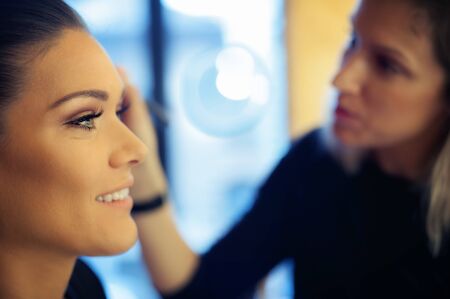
226	91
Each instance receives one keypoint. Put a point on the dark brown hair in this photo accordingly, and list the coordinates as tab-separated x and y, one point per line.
27	28
437	13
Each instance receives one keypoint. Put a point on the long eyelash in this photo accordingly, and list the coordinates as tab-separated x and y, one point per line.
77	123
123	109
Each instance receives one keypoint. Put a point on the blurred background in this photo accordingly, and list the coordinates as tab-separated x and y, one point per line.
230	84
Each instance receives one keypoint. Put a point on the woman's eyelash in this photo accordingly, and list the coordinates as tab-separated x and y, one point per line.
85	122
124	108
386	65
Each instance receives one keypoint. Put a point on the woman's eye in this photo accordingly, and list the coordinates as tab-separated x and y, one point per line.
386	65
351	45
85	122
123	109
352	42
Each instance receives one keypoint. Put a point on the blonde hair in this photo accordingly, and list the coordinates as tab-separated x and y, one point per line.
438	214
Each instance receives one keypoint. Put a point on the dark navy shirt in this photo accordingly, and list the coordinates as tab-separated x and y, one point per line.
349	236
84	284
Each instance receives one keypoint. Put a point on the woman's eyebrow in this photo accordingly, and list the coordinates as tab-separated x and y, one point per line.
397	54
94	93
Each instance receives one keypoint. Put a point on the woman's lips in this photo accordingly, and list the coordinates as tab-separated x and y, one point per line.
126	203
345	118
342	112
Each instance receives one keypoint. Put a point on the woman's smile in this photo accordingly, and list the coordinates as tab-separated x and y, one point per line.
119	197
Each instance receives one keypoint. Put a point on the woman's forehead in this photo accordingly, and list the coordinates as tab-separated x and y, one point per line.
398	25
74	62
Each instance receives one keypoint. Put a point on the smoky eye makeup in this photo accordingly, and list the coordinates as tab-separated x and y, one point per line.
123	105
86	116
122	109
84	120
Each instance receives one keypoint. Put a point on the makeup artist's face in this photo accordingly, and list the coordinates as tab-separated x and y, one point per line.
390	83
66	149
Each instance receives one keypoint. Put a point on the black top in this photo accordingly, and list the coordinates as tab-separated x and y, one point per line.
84	284
350	236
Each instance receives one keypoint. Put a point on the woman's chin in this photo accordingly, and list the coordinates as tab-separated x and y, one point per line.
120	248
347	137
115	243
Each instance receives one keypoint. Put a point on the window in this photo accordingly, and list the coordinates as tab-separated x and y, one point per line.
225	88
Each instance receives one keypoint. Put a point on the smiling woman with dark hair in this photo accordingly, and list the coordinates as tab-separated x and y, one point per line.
65	153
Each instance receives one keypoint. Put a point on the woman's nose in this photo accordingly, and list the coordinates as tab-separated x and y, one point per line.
350	76
129	150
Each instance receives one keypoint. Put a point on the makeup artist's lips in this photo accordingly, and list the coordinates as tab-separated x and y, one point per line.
345	118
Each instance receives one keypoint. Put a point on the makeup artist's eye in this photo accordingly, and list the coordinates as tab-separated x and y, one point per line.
386	65
85	122
352	42
123	108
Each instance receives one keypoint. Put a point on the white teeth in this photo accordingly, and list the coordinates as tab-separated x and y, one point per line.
115	196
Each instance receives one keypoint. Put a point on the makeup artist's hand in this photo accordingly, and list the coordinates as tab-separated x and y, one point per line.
149	176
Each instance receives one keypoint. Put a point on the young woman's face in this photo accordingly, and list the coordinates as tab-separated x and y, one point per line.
65	147
390	84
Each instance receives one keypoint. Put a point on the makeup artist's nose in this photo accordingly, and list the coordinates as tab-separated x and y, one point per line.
351	75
